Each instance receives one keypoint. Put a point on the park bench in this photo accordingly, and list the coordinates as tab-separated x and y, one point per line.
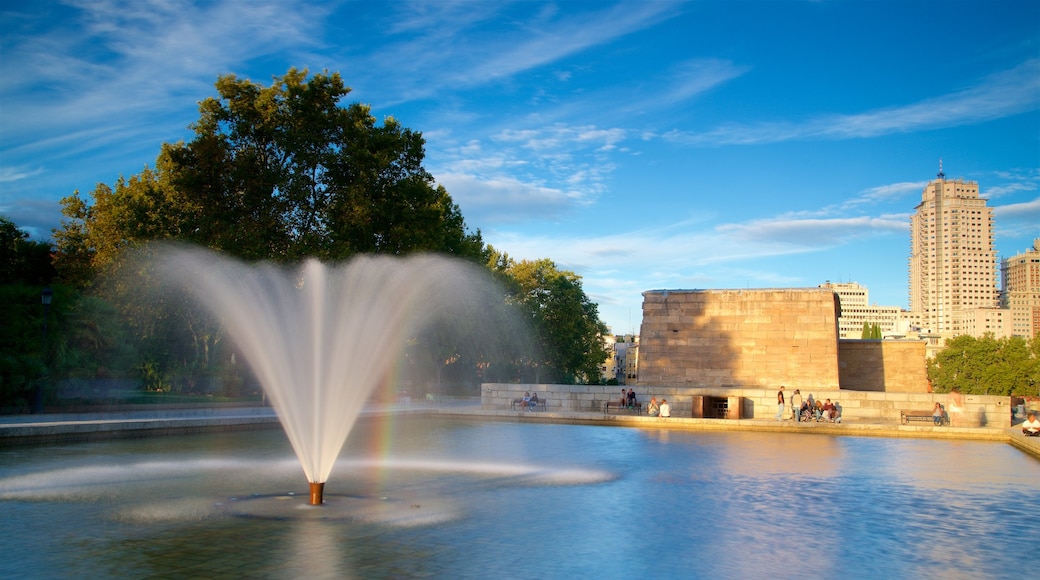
906	416
617	407
539	404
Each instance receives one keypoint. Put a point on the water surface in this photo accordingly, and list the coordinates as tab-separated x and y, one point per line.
469	498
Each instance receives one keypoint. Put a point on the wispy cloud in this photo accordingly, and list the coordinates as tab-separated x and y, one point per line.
1018	220
445	47
529	174
1007	93
114	60
884	193
799	233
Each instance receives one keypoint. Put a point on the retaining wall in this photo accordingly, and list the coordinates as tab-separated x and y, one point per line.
864	406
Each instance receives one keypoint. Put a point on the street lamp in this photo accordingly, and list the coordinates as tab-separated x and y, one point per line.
45	297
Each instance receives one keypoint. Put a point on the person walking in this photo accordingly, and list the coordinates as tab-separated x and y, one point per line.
780	404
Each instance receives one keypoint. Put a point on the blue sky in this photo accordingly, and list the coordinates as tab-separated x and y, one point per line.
642	145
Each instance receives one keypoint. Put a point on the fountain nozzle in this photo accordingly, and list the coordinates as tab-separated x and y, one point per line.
317	492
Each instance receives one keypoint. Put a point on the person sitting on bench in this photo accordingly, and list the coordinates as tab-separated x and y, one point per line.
1031	428
652	409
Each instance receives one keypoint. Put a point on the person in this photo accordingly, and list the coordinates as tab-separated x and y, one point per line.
837	413
624	398
533	402
780	404
828	411
796	404
818	410
1031	426
631	399
651	408
666	409
937	413
525	403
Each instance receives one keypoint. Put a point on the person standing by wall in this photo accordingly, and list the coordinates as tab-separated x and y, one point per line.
796	404
780	404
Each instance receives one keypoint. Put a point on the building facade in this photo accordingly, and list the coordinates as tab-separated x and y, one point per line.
953	265
856	311
1020	291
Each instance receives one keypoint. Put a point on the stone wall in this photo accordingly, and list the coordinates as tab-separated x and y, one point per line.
740	338
857	406
895	366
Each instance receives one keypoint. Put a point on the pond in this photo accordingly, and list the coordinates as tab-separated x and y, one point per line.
424	496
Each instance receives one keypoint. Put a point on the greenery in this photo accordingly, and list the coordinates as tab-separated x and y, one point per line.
570	347
272	173
871	331
987	366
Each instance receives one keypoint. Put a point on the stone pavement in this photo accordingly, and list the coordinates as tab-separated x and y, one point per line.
21	429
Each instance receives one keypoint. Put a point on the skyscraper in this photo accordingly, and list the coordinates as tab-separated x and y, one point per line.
1021	290
953	266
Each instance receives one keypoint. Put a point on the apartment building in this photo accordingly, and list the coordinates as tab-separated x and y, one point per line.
952	264
856	311
1020	291
623	359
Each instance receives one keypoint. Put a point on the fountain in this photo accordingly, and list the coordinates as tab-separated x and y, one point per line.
320	338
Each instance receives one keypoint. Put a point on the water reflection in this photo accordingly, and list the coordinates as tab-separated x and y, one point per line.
471	498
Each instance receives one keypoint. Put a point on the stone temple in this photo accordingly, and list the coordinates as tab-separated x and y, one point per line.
764	338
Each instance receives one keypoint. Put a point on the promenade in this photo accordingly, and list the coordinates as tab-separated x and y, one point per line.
139	422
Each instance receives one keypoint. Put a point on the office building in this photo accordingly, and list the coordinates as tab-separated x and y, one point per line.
856	311
1020	291
953	265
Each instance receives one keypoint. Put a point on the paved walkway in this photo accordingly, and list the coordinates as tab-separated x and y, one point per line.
19	429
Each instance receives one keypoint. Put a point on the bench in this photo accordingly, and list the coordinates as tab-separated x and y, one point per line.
618	407
539	404
906	416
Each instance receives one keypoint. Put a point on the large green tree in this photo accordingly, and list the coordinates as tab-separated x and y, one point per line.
987	366
569	346
275	172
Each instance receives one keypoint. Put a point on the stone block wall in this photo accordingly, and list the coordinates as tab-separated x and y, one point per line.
740	338
857	406
895	366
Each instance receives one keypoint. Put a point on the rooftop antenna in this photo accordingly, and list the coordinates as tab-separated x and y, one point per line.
941	175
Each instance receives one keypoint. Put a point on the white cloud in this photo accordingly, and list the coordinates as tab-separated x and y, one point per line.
498	200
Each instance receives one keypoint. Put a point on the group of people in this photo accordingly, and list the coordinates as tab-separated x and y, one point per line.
529	401
628	398
655	409
810	409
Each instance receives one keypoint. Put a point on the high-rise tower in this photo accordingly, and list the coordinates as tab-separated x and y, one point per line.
1021	294
953	266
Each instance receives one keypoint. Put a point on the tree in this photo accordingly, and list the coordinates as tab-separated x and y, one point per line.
986	366
21	259
277	173
284	172
280	173
569	334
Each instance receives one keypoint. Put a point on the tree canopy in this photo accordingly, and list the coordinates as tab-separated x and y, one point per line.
275	173
569	346
987	366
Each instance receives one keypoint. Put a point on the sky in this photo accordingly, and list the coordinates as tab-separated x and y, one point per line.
643	145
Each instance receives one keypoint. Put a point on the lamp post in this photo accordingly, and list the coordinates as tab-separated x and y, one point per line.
45	297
